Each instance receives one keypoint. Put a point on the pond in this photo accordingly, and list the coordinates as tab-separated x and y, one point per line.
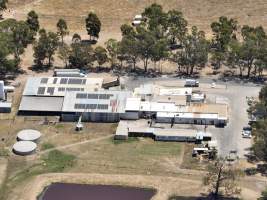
67	191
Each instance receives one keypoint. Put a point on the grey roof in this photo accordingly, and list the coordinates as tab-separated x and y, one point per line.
101	101
31	86
33	103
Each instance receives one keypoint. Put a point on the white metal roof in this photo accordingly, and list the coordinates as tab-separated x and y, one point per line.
57	86
187	115
133	104
175	91
43	103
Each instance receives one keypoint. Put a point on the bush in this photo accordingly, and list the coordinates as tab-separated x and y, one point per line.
57	161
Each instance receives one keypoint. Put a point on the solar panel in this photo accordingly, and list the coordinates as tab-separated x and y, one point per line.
105	96
44	80
61	89
81	96
73	89
102	106
55	81
92	96
91	106
75	81
51	90
41	90
63	81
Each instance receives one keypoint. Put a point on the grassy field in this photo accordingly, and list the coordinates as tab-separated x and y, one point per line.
136	156
54	161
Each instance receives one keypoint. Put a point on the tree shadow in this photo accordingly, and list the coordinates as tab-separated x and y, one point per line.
40	69
227	77
88	42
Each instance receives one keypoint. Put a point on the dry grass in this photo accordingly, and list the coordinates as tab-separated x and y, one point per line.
136	156
115	12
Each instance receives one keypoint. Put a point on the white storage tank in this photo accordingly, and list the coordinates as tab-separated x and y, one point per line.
29	135
24	148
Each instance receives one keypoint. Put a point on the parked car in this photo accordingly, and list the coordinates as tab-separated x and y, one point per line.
246	132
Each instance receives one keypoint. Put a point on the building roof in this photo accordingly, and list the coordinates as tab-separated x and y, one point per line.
175	132
57	86
220	109
133	104
33	103
175	91
178	100
101	101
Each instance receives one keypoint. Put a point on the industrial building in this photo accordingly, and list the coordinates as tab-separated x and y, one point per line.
71	98
5	103
128	129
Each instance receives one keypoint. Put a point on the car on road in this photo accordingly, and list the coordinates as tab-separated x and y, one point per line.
246	132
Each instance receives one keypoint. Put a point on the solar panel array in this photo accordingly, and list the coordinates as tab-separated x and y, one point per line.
55	81
75	81
44	80
41	90
51	90
93	96
91	106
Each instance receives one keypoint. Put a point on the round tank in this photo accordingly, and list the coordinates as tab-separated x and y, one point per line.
29	135
24	148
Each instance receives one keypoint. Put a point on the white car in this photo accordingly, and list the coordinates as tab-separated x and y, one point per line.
246	132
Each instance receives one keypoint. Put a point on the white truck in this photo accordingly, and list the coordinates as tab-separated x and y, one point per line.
191	83
137	20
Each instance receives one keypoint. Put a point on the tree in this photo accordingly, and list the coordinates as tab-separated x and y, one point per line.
112	47
33	22
145	44
127	30
81	56
3	4
224	31
45	48
176	25
194	52
21	37
234	56
263	195
253	45
159	51
64	53
76	38
155	16
62	29
221	179
129	49
100	55
7	65
259	131
93	25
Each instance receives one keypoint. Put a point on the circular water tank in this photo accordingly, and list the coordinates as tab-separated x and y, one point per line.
24	147
29	135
